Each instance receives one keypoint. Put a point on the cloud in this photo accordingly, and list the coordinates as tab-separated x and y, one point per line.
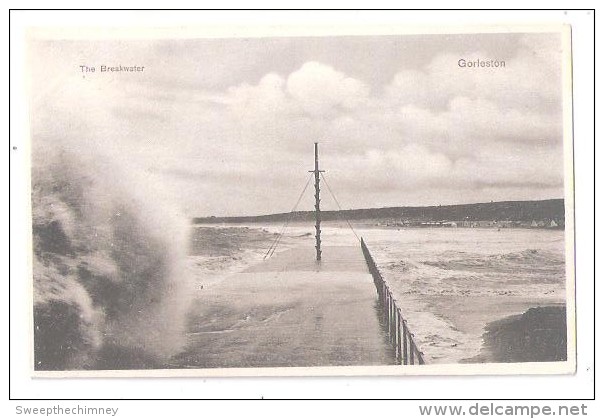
432	129
318	89
530	79
267	96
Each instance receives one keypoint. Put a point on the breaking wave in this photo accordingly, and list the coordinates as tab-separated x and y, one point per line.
532	260
536	272
109	266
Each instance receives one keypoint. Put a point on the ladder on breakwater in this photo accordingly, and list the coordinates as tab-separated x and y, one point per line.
406	350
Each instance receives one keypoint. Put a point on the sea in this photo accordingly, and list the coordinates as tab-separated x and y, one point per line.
450	282
128	298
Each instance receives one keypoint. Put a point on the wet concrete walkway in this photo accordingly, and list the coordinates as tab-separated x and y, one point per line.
290	311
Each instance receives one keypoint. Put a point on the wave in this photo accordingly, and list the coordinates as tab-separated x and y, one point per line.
534	272
529	260
109	266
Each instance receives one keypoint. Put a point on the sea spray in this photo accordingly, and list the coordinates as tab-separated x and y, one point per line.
109	264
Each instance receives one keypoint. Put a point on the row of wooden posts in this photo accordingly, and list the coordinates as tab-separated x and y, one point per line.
405	348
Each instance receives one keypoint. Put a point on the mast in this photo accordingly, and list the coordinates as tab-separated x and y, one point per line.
317	203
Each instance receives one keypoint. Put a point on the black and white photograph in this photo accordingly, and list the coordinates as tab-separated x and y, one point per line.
310	204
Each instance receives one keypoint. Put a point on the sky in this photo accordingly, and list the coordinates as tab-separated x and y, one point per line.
227	126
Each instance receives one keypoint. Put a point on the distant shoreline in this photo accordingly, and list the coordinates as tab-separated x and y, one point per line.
505	214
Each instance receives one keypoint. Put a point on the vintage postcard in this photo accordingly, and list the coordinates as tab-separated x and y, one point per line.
317	201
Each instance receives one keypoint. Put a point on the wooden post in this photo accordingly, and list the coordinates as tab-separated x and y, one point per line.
397	351
317	173
388	315
392	314
392	317
405	347
398	336
412	349
384	293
